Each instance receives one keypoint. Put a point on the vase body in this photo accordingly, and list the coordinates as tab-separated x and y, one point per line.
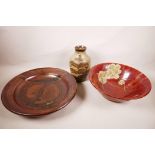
80	64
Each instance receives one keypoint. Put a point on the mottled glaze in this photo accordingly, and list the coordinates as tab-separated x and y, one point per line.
129	84
79	63
39	91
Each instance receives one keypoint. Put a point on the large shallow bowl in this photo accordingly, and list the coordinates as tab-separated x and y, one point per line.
118	82
38	92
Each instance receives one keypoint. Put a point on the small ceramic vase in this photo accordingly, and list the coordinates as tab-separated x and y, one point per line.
80	63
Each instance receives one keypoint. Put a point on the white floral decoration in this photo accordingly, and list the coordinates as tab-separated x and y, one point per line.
121	82
113	71
102	76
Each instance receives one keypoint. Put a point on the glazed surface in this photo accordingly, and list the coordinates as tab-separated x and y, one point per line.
40	91
123	84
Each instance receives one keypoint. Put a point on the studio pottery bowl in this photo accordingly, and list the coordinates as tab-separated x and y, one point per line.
118	82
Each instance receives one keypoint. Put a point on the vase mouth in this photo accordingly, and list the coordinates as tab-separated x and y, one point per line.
80	48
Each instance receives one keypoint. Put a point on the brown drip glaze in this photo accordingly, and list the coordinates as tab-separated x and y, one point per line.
80	64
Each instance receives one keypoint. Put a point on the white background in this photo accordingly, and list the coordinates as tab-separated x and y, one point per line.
77	13
24	48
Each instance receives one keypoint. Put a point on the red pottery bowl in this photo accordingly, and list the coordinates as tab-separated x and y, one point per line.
118	82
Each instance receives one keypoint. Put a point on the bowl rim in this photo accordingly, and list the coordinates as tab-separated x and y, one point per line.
126	66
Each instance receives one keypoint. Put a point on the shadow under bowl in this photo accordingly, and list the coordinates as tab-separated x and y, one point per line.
130	83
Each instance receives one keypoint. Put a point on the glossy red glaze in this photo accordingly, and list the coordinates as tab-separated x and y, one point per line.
136	86
38	92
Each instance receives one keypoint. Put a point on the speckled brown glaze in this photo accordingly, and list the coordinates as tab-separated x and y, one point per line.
39	91
136	84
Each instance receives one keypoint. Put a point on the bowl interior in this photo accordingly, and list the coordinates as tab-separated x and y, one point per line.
119	81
